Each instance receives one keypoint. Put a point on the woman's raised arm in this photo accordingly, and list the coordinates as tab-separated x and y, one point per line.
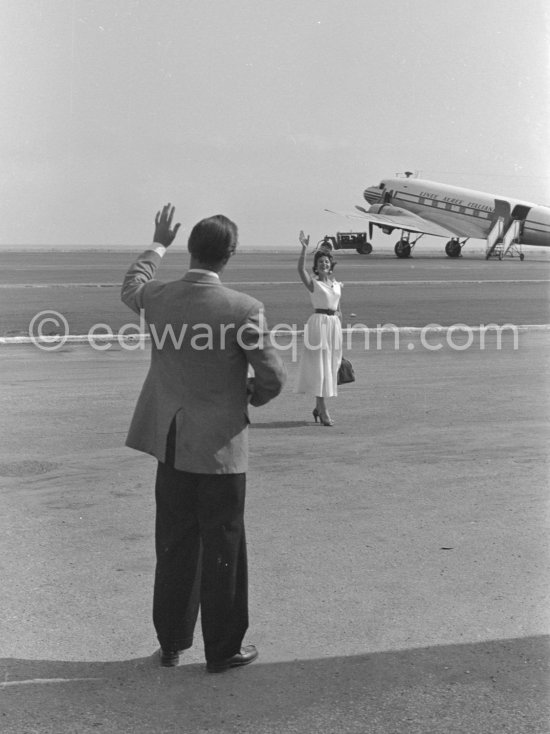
304	275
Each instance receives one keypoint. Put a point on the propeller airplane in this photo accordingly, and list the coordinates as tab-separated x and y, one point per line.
417	207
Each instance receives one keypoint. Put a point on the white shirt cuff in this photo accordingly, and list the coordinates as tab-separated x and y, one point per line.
159	249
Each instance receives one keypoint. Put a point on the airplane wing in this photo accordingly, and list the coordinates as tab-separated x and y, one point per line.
398	219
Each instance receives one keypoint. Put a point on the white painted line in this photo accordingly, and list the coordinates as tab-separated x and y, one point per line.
33	681
263	283
444	329
393	282
60	285
74	339
389	329
442	282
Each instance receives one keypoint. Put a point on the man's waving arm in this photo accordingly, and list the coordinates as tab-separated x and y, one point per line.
144	268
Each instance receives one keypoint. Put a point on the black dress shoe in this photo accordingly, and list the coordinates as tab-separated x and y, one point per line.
245	656
169	658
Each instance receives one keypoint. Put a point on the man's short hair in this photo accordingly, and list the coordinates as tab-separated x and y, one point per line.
213	239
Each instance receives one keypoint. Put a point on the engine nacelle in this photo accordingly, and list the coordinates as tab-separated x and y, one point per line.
388	209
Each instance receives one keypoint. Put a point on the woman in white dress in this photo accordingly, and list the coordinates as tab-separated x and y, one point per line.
322	353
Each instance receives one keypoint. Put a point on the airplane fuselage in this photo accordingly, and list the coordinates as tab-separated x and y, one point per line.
463	212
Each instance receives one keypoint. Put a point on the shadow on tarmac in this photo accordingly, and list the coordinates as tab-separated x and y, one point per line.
281	424
503	682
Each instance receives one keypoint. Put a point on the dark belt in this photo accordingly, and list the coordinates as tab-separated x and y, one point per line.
325	310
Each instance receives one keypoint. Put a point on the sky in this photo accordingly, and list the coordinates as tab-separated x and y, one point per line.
268	111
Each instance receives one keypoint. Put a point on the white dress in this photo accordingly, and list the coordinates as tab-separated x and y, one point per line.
322	353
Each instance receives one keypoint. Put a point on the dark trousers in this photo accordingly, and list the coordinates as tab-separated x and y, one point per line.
201	560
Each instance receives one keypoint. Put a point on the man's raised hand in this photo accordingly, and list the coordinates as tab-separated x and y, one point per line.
164	232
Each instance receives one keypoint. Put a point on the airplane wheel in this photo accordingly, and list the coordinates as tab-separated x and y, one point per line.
452	248
365	249
402	249
521	256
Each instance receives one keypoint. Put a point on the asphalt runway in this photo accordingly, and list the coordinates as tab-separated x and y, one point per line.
84	288
398	560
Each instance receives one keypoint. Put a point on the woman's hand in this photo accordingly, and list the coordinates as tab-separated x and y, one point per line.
304	241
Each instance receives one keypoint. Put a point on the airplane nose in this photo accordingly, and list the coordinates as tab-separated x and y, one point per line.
372	194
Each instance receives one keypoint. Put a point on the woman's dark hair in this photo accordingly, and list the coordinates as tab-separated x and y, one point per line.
319	254
213	240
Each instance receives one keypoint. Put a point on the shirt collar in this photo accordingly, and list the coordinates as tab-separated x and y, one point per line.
204	270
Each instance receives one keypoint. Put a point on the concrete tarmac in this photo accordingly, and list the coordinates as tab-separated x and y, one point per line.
85	289
398	560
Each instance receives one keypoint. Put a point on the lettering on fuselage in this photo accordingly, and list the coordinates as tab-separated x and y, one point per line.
456	202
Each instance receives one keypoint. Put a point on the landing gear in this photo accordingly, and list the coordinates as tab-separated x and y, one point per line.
402	248
364	249
453	248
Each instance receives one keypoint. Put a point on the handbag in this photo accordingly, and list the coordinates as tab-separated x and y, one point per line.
345	372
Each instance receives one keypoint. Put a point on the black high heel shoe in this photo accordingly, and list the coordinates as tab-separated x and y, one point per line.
325	420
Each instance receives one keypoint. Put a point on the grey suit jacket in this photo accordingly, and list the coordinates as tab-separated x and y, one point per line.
203	337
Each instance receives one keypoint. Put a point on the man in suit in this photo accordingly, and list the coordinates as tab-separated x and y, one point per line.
192	415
